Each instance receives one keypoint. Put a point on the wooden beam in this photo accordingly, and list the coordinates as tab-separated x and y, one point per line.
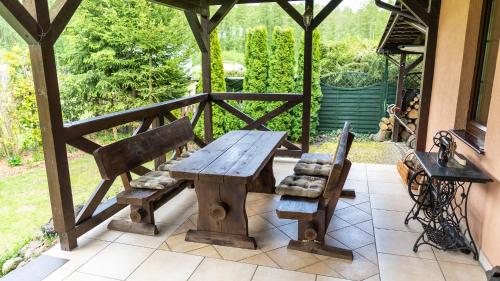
51	125
94	201
414	64
418	10
324	13
389	31
307	84
256	96
184	5
247	119
206	70
270	115
392	60
60	15
197	114
171	118
194	24
221	13
16	15
399	94
292	12
428	76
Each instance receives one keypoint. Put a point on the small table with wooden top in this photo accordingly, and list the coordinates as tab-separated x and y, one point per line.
223	172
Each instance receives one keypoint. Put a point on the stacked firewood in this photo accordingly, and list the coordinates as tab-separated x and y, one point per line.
409	116
385	129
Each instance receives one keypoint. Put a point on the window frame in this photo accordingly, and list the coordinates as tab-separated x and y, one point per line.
476	130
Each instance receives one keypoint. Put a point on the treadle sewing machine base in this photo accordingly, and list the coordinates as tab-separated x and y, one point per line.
441	203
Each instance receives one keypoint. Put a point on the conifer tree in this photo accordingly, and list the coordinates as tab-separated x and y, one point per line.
316	80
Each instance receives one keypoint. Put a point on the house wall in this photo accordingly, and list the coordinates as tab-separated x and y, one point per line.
455	58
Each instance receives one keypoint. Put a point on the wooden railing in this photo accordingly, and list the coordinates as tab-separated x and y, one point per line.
95	211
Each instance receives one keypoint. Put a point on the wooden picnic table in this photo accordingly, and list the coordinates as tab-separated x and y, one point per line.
223	172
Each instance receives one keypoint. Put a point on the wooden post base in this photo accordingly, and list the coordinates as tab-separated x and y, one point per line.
320	249
133	227
222	239
348	193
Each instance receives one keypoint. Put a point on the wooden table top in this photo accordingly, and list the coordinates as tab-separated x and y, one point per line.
238	156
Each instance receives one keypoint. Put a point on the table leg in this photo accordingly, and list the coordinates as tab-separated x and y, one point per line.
265	182
222	219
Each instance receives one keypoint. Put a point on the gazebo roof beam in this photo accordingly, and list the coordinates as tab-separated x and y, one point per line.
221	13
16	15
185	5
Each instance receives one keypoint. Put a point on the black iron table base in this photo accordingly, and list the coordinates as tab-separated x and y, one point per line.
441	204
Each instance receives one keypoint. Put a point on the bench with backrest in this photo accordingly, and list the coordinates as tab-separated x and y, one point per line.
150	191
312	200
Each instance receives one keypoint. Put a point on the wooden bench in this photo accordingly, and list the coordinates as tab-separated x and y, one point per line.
314	214
152	190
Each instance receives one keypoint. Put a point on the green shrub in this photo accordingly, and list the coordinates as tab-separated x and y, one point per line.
15	161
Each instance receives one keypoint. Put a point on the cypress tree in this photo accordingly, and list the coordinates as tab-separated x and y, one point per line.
257	67
316	80
282	78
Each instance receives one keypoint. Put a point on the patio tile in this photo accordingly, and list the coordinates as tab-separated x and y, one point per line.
320	268
365	207
325	278
397	268
373	278
78	276
58	275
208	251
261	259
357	185
353	215
194	219
400	203
367	227
186	198
235	254
165	230
258	224
272	217
401	243
101	232
271	239
352	237
177	243
357	174
342	205
221	270
291	230
357	269
272	274
361	197
116	261
173	214
395	221
387	188
462	272
87	248
384	176
454	256
369	251
255	196
337	223
162	265
185	227
291	259
381	168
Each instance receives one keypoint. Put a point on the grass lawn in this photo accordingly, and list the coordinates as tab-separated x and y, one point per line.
366	152
25	204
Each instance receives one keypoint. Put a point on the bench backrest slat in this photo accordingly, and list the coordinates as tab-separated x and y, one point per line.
343	148
122	156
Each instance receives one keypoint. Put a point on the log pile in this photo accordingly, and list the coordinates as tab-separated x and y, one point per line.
385	129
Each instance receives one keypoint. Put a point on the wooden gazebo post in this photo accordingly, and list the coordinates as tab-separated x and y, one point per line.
307	79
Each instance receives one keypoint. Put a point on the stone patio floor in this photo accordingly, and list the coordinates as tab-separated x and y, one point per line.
371	225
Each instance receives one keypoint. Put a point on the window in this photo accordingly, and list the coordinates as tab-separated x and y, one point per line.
485	70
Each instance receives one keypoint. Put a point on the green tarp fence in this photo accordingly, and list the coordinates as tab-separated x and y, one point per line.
362	106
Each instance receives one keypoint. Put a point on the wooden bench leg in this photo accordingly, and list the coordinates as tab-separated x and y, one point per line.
348	193
320	249
143	221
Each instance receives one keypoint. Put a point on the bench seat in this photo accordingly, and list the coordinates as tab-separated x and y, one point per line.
297	208
314	164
